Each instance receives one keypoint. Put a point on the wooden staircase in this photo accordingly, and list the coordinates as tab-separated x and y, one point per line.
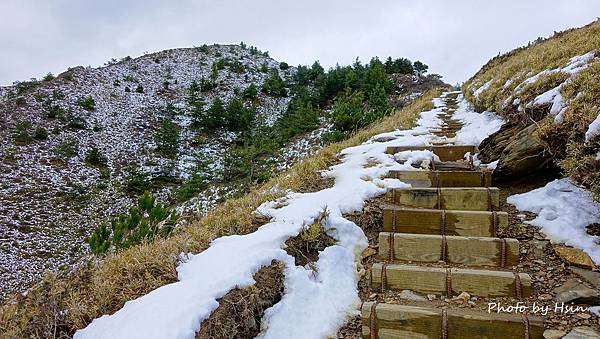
440	237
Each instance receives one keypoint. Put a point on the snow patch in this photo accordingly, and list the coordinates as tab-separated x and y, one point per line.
482	89
477	126
563	212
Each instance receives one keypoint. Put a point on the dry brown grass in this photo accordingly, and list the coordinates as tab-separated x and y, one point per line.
62	304
566	141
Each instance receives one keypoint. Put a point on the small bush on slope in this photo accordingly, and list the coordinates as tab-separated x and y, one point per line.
565	141
143	222
61	304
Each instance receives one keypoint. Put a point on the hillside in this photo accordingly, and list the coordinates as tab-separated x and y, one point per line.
55	188
548	91
190	126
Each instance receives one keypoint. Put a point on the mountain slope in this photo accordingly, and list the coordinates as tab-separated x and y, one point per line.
71	145
549	93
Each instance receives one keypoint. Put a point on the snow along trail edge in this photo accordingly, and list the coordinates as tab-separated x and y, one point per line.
315	304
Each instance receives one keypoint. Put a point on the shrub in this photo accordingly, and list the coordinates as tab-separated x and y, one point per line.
191	187
139	89
22	133
127	89
20	101
420	68
215	115
48	77
167	139
274	85
348	111
55	111
67	149
40	133
264	68
333	137
87	103
250	92
143	222
283	66
95	158
237	67
206	85
135	182
238	117
76	122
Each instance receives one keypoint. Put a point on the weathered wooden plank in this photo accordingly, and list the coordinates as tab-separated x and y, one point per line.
449	198
411	322
444	178
435	280
469	251
445	153
448	222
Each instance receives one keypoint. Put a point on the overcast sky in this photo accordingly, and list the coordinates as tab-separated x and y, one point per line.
453	37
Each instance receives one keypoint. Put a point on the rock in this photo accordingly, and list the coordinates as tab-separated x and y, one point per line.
575	257
431	297
369	252
410	295
590	276
373	296
582	333
573	291
519	150
545	297
554	334
462	298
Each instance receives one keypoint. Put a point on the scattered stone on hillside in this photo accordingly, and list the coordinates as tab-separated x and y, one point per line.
590	276
523	154
582	333
554	334
573	291
574	256
410	295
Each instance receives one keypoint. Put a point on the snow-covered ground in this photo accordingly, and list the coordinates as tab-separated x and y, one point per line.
316	303
563	211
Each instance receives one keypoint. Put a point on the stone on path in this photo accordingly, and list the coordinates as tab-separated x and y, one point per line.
575	257
573	291
582	333
410	295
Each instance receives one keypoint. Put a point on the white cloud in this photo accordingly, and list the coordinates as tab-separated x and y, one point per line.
454	37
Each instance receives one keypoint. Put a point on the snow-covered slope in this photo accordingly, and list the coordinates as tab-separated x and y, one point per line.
48	206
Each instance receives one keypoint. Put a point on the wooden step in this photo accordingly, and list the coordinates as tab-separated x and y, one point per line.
448	198
443	222
444	165
445	153
411	322
444	178
450	281
468	251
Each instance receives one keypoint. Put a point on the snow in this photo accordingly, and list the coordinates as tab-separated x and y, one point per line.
563	212
477	126
316	302
482	89
593	129
553	96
